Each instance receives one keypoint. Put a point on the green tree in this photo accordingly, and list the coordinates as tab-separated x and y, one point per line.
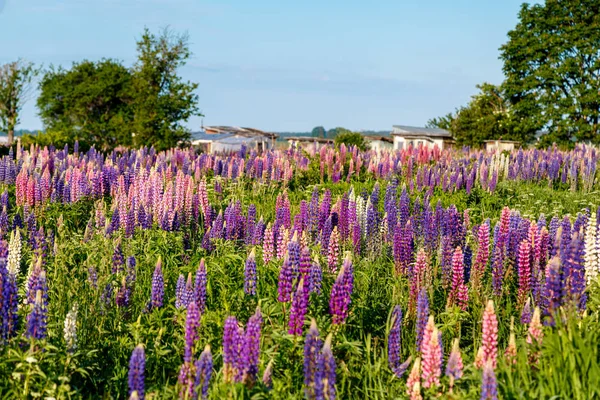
332	133
351	139
552	68
487	116
161	99
318	132
15	87
91	102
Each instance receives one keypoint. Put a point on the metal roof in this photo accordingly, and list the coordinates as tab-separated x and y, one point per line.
210	137
238	140
405	130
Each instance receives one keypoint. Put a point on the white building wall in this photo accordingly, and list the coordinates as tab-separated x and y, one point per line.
401	142
380	145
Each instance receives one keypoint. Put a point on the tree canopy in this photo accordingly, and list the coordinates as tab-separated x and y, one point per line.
351	139
552	68
106	104
319	132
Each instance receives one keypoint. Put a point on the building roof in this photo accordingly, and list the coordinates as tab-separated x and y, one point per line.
237	140
405	130
244	131
209	137
382	138
309	139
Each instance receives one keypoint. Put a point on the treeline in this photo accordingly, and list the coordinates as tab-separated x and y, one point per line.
552	88
105	103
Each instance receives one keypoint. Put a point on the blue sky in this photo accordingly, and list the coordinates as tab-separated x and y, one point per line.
285	65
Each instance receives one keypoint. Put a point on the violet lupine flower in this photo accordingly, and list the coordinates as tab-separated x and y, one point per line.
180	292
267	378
553	288
526	313
250	274
137	366
431	355
316	276
298	309
325	376
524	272
204	366
123	294
232	345
312	344
286	278
158	286
497	269
394	343
37	318
251	351
305	265
341	292
9	316
574	273
118	260
200	287
489	385
490	334
454	367
422	315
192	323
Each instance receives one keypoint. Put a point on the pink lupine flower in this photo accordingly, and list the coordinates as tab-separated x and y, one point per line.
479	358
482	257
419	279
454	367
414	378
490	334
524	272
432	358
459	294
268	250
511	350
333	253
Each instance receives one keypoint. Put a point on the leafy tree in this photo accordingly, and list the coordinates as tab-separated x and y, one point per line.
552	68
91	103
488	116
351	139
332	133
15	87
318	131
161	99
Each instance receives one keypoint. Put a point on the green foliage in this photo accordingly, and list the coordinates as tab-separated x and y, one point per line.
15	86
89	103
551	63
318	131
332	133
351	139
161	99
488	116
106	104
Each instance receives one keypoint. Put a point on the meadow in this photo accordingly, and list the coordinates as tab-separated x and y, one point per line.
318	273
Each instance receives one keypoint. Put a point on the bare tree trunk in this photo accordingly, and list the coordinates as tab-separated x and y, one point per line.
11	136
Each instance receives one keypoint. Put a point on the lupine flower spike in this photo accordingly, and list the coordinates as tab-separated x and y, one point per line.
137	365
489	385
454	367
490	334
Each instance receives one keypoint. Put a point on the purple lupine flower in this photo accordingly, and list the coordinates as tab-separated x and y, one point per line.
192	323
93	277
298	309
107	294
312	344
117	260
305	265
180	292
204	366
575	272
232	340
286	278
553	288
137	366
394	343
325	375
37	318
250	274
267	378
200	287
123	294
527	313
251	351
489	385
9	316
341	292
422	316
454	367
497	269
316	276
158	287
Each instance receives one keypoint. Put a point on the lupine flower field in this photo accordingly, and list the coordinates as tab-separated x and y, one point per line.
318	274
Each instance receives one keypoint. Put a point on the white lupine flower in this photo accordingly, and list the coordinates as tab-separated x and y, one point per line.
591	250
70	331
14	253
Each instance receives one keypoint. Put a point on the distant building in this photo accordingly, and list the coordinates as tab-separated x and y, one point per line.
306	141
379	142
405	136
224	139
501	145
4	140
